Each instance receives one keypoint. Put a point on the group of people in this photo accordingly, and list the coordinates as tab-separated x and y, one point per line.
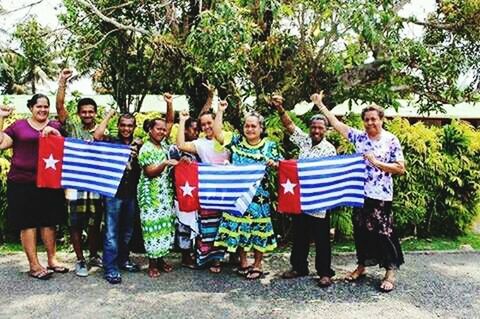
205	236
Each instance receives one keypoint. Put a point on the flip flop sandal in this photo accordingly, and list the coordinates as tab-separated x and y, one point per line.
215	269
243	271
153	273
164	266
58	269
257	272
387	290
354	276
189	266
41	275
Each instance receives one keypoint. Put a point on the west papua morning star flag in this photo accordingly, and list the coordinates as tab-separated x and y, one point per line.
229	188
77	164
314	185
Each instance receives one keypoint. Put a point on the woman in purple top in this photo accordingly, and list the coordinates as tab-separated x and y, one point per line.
373	230
30	207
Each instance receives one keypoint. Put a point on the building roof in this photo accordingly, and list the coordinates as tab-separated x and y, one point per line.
151	102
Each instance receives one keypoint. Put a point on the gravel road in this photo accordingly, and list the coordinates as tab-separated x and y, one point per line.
438	285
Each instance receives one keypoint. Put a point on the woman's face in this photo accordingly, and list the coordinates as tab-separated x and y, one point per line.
158	131
252	129
372	123
40	110
206	125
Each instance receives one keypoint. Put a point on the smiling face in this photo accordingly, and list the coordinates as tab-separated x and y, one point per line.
158	131
126	126
191	132
87	115
40	110
317	131
372	122
252	129
206	125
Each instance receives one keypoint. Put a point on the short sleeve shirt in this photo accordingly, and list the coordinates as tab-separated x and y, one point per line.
209	153
23	167
308	150
379	184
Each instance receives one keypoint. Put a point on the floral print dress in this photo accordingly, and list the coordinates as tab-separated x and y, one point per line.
254	229
373	227
155	199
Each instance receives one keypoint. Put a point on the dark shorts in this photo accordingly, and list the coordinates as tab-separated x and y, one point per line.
31	207
83	213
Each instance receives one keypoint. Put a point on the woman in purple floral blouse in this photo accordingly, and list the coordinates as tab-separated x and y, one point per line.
373	230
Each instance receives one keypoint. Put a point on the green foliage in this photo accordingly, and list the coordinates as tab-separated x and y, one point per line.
440	193
34	63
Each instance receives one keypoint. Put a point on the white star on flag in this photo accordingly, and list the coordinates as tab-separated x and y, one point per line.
187	189
288	187
50	162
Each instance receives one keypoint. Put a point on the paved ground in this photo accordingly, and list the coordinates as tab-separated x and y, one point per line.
430	286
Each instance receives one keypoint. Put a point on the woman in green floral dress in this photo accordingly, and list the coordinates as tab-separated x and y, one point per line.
155	194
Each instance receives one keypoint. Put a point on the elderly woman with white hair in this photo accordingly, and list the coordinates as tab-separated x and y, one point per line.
253	230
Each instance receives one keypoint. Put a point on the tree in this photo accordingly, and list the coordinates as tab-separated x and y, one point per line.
37	53
127	61
354	49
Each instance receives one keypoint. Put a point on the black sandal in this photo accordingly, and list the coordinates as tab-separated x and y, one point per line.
41	275
243	271
258	273
58	269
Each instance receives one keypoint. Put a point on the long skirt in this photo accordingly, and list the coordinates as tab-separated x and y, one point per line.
253	230
158	230
375	239
206	252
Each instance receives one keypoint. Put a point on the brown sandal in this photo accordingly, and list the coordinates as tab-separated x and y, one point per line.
153	272
164	266
355	275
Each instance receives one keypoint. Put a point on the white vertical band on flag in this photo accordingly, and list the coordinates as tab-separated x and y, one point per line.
94	166
332	181
228	187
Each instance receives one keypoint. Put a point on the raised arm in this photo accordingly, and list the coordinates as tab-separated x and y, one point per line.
100	130
181	144
340	127
60	100
218	123
5	140
277	103
208	103
170	117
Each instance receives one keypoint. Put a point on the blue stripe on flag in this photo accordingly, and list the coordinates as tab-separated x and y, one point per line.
94	166
332	181
232	187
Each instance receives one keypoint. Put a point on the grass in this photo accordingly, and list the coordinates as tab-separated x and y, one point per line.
422	244
411	244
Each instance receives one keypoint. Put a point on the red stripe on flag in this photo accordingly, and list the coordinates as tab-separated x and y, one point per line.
186	186
288	188
50	161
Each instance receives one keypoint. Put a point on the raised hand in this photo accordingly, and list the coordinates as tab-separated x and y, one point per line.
65	75
317	98
183	116
5	111
222	105
111	113
276	101
210	88
168	97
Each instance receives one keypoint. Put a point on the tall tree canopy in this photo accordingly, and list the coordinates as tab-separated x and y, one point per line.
351	49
